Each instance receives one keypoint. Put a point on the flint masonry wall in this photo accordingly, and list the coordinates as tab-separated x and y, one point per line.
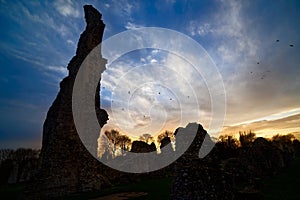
65	165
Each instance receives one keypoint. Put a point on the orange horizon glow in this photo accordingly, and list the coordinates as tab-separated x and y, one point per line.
281	123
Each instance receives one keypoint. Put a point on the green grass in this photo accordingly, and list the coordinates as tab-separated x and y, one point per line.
155	189
285	185
11	191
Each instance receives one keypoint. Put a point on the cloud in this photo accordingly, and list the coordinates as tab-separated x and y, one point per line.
71	42
197	29
231	29
267	128
132	26
42	36
154	90
60	69
67	8
253	90
232	42
124	8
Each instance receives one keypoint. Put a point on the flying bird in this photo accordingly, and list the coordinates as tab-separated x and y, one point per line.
263	76
158	92
277	40
258	63
291	45
128	92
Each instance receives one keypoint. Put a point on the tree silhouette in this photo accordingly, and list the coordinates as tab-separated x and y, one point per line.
119	142
246	139
227	146
164	134
283	138
24	160
146	138
284	142
228	141
124	143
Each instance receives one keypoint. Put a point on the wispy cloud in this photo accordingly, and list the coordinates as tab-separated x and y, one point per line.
67	8
153	91
60	69
198	29
250	61
283	125
229	29
133	26
38	47
125	8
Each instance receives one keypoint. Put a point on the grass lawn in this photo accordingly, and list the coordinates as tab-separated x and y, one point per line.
155	189
11	191
285	185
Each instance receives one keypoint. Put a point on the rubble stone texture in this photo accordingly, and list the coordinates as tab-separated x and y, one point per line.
197	178
66	166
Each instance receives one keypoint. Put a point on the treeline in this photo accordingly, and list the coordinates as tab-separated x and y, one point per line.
18	165
247	138
116	144
229	144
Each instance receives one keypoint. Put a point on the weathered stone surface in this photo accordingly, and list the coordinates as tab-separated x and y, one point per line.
197	178
66	166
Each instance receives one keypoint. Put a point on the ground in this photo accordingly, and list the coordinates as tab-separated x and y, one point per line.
285	185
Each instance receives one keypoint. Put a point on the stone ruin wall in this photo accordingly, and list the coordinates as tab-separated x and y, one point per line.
65	165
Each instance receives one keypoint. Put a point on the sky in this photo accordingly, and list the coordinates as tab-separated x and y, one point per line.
249	42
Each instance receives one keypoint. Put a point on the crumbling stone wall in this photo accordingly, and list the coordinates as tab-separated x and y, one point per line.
238	177
65	164
197	178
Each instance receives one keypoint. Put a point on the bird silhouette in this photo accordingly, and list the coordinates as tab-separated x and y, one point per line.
277	40
158	92
258	63
263	76
128	92
291	45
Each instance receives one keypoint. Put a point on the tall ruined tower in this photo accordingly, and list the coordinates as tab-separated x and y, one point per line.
66	166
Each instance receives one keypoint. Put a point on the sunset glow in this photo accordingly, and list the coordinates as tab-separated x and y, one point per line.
254	45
